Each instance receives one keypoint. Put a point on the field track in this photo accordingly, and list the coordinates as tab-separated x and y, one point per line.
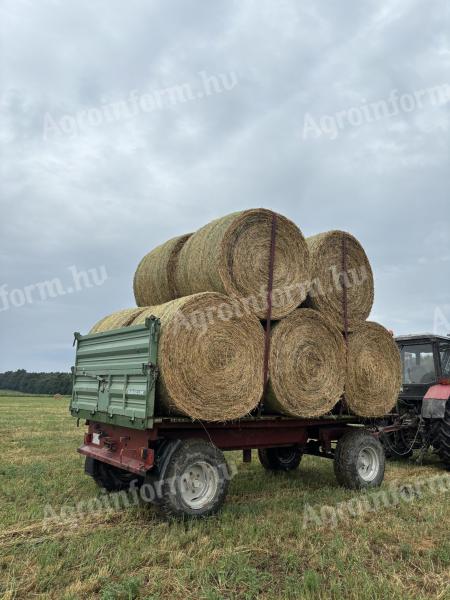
258	547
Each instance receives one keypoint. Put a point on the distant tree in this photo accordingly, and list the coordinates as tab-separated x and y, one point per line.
36	383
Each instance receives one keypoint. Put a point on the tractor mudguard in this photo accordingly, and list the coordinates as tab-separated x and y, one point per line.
433	405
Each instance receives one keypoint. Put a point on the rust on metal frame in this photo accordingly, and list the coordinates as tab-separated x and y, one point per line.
120	447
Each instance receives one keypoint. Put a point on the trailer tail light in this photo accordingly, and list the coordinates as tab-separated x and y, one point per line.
148	456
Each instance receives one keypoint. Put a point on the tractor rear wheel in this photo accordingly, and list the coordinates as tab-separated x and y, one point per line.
444	438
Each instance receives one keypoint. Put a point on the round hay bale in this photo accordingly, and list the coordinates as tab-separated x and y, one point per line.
306	366
154	280
121	318
374	371
210	357
231	256
327	290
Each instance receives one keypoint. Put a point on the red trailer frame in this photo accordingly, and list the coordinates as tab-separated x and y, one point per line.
134	450
179	464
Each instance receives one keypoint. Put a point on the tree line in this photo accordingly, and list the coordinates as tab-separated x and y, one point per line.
36	383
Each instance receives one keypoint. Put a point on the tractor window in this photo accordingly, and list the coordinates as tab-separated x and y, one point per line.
418	364
444	350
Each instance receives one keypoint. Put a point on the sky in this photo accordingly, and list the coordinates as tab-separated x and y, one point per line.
125	124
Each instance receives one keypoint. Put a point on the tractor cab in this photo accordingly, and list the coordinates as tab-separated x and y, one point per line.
425	362
421	419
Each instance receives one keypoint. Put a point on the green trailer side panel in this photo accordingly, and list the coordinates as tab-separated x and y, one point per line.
114	377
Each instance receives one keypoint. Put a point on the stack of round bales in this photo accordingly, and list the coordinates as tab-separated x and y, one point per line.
230	256
210	289
342	289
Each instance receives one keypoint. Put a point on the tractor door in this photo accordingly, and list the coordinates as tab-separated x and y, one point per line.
420	363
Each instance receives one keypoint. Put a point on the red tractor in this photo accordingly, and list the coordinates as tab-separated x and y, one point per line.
422	416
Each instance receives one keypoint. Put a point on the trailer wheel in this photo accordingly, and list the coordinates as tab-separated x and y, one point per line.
108	477
195	481
444	438
280	459
359	460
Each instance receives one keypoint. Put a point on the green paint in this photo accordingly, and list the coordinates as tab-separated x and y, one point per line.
114	377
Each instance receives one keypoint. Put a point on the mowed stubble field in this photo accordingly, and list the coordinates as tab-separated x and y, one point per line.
258	547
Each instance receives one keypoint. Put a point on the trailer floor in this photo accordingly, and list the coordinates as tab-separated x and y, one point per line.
265	544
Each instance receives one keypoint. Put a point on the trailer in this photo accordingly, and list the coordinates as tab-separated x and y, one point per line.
178	463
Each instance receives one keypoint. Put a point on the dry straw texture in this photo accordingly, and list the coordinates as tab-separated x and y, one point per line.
210	357
307	365
327	291
121	318
154	280
374	373
231	256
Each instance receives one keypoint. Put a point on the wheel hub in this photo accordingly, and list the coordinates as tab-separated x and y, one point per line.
199	484
368	464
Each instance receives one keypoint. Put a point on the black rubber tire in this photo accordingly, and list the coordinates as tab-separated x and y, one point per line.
443	443
285	458
347	458
108	477
188	455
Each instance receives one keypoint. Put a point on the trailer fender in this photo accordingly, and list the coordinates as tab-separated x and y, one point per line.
434	401
155	477
164	454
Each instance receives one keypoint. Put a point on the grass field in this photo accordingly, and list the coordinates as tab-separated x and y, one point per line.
258	547
10	393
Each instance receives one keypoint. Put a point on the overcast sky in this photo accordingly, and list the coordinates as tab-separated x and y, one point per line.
99	164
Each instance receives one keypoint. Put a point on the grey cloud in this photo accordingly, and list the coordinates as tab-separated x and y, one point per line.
108	195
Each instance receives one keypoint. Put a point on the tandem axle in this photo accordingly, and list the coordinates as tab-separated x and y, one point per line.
191	455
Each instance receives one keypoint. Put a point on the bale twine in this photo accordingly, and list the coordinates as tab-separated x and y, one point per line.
231	255
374	372
210	357
307	365
154	280
327	292
121	318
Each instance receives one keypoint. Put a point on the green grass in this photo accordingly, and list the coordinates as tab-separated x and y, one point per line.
257	547
12	393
